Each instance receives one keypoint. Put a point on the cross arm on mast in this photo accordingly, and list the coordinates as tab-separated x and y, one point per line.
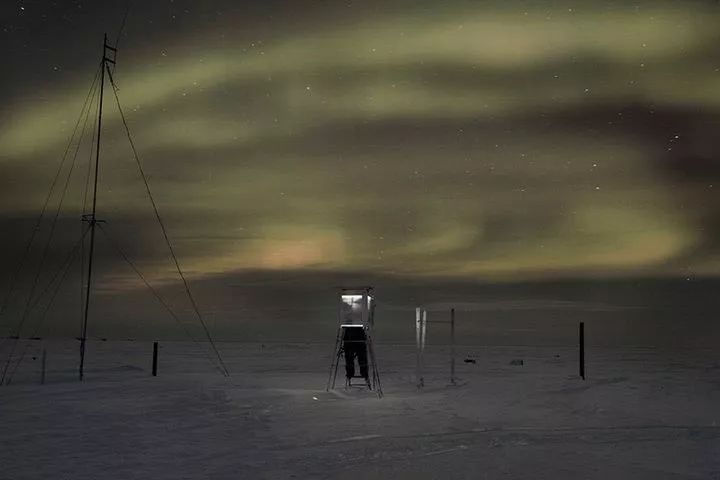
108	49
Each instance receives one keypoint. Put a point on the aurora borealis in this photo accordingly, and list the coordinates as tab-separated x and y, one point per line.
488	141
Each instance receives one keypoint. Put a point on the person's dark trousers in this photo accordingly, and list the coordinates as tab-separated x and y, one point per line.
361	353
354	346
349	360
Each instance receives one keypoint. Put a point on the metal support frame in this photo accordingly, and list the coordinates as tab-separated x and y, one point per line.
581	350
420	332
421	321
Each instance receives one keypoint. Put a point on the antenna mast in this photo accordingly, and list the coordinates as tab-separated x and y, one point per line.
91	217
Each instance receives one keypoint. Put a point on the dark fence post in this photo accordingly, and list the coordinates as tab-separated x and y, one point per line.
155	355
452	346
42	368
581	344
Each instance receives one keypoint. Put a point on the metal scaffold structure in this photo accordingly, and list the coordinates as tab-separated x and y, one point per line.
421	321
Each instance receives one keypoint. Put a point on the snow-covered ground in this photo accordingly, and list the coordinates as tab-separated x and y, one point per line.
641	414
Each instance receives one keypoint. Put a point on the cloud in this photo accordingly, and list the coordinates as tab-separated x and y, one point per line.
499	141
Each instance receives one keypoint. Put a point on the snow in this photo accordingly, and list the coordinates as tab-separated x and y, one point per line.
641	414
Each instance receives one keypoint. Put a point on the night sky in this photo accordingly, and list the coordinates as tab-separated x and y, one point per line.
414	143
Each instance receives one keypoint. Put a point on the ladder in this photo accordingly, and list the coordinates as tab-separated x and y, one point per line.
372	382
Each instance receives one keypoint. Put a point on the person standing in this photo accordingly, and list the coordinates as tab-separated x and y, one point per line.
355	346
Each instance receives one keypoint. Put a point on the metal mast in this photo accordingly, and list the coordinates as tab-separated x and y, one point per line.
91	217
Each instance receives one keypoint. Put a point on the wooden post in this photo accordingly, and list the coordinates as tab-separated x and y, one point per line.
581	345
43	363
155	356
452	346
